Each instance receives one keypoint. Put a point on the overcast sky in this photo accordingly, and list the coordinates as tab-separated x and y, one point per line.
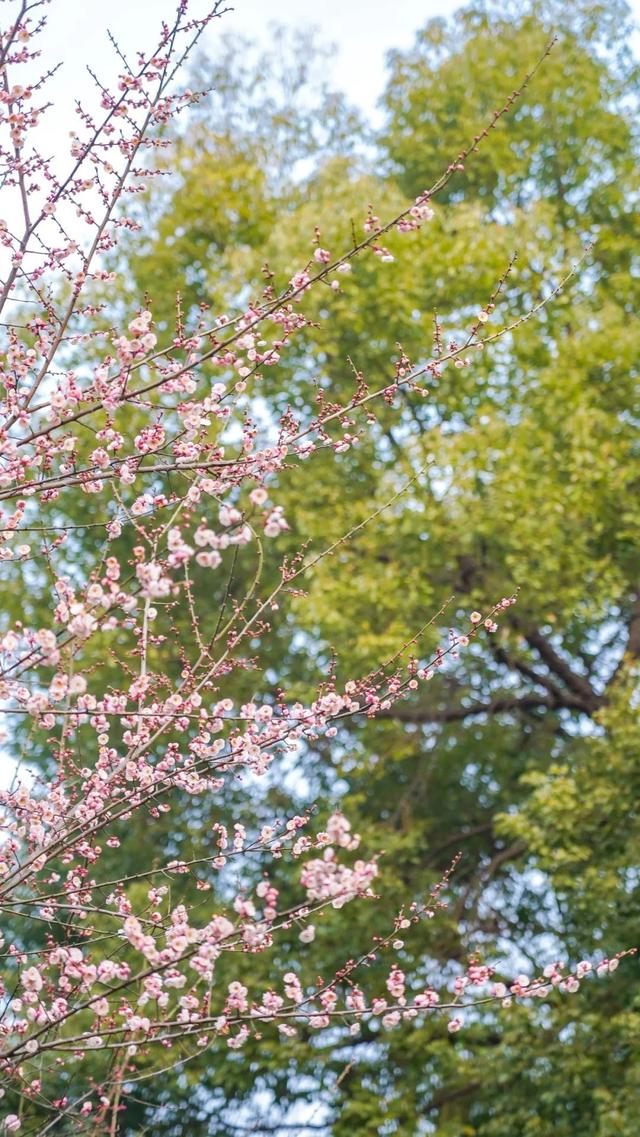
362	30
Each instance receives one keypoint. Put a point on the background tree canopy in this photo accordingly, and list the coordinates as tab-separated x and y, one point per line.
525	756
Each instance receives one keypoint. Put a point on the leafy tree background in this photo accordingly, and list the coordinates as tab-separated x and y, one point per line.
525	756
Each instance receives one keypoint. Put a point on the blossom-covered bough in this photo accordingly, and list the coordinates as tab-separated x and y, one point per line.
160	434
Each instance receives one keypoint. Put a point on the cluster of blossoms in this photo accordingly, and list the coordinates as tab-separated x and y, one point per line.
128	677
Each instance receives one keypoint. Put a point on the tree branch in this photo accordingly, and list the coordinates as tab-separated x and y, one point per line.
581	686
501	655
418	714
632	645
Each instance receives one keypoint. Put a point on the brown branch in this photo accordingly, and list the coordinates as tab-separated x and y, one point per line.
632	646
417	714
590	699
501	655
457	838
471	895
444	1096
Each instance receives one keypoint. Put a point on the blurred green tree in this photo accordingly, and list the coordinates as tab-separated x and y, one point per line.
525	755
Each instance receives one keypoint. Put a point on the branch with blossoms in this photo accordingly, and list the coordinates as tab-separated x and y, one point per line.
127	677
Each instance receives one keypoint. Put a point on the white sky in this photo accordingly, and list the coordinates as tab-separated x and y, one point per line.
363	29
